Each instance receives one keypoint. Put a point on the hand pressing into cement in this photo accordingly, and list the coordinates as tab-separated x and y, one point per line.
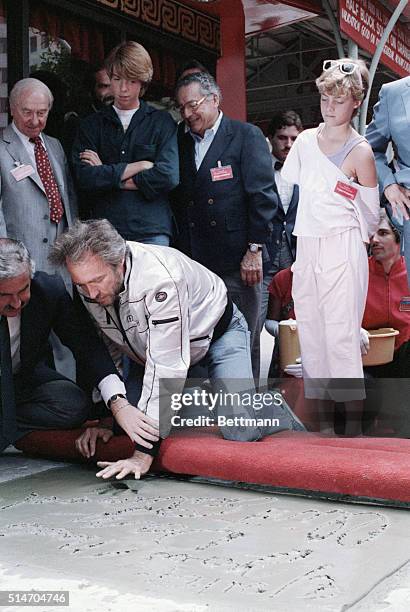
137	425
86	443
138	464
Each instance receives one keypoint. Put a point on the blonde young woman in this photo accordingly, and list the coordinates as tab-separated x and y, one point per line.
338	213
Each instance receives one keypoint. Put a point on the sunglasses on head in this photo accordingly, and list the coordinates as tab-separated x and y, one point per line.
344	67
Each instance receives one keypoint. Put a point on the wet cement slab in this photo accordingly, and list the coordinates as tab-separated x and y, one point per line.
14	464
162	544
391	595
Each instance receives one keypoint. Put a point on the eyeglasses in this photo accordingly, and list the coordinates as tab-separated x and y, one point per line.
344	67
192	105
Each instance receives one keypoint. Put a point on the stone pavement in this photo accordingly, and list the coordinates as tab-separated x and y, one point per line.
164	544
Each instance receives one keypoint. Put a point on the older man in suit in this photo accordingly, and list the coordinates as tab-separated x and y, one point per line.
226	200
33	395
37	196
37	199
391	124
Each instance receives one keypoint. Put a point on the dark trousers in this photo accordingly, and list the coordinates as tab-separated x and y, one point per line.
388	394
55	404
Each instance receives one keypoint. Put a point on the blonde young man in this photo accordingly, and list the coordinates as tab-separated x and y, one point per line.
125	156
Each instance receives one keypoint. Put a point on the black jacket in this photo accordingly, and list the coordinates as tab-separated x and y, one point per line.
284	222
51	308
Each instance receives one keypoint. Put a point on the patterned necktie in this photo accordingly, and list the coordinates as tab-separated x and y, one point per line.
8	409
278	165
45	172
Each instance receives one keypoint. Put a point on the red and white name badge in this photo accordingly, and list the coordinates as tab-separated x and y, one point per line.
221	173
346	190
405	304
22	171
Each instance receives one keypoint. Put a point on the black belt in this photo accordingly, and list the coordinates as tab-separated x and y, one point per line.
224	321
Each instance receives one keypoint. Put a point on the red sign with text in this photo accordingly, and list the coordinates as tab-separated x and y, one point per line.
364	22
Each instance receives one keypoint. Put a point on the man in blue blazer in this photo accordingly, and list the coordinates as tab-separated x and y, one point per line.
33	395
225	202
391	124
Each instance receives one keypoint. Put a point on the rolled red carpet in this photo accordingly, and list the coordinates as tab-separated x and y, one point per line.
375	468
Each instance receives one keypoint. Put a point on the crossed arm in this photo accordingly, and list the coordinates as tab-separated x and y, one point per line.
92	159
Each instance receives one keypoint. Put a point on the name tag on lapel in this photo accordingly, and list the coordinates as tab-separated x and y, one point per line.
346	190
221	173
22	171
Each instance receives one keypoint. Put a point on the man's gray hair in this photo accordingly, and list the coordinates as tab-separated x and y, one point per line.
94	237
14	259
31	85
206	82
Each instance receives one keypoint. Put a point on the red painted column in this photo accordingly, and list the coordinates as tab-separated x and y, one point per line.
230	70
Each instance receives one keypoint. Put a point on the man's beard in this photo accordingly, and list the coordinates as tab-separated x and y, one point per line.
117	289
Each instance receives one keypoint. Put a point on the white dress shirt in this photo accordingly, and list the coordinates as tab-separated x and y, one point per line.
29	146
14	331
285	189
202	144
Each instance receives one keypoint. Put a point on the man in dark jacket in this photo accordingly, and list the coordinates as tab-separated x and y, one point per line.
225	201
282	133
33	395
125	156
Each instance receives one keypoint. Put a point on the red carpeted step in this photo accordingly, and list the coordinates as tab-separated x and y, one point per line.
61	445
377	468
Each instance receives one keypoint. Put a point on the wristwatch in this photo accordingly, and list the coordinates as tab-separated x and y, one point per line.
254	247
115	397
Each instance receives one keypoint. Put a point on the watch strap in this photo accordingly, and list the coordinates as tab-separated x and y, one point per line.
115	397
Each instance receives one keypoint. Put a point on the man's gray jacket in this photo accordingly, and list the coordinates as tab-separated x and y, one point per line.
24	208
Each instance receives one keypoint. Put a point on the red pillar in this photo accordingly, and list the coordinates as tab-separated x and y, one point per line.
230	70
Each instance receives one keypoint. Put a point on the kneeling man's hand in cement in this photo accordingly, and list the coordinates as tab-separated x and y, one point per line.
86	443
137	425
138	464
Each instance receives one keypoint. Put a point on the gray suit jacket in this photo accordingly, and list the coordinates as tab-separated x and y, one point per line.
391	123
24	209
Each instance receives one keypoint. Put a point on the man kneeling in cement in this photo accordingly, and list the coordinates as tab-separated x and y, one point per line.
165	312
33	395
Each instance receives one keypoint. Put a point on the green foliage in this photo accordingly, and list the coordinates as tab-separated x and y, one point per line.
57	61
